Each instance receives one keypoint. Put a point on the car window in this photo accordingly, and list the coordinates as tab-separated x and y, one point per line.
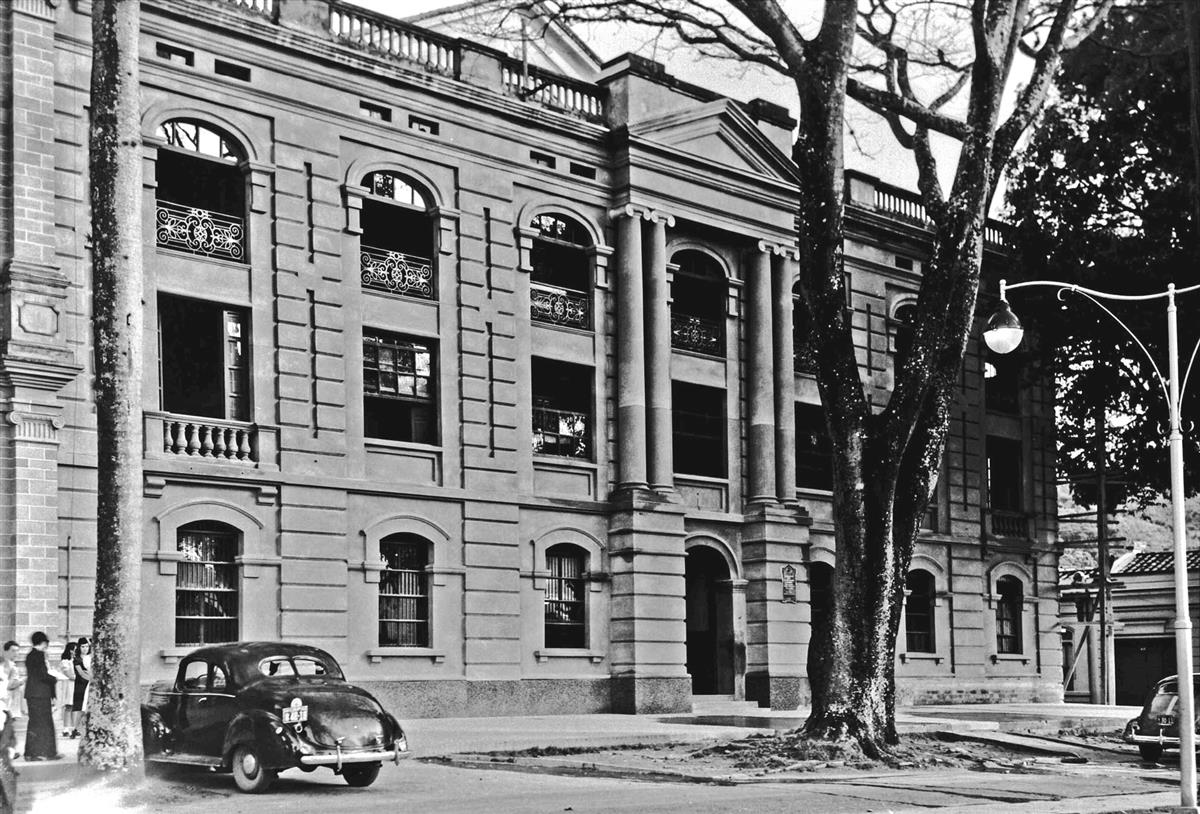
219	681
282	666
195	675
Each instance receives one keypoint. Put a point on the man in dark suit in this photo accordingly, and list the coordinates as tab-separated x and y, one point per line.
40	743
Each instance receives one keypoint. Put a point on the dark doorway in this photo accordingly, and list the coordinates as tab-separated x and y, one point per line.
709	623
1140	663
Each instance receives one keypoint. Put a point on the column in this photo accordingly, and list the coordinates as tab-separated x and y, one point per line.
658	354
760	380
631	353
783	275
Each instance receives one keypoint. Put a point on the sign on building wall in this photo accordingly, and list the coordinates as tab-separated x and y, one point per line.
788	573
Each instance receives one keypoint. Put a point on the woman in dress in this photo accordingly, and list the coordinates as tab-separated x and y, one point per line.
83	675
40	743
66	688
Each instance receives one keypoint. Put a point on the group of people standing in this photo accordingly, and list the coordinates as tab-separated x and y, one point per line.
66	682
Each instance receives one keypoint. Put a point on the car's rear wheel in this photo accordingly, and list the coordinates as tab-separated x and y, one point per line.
361	775
1150	751
249	773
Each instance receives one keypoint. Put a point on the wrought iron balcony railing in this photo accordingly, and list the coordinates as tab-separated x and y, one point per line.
397	272
200	231
559	306
697	335
565	433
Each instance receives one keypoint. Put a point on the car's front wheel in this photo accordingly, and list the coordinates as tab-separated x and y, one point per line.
1150	751
361	775
249	773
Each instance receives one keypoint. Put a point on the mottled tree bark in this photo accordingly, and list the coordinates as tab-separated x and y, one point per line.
113	739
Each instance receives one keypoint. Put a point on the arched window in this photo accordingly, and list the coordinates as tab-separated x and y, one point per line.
397	246
903	320
804	357
200	191
698	298
566	597
404	591
206	584
1009	604
918	612
561	275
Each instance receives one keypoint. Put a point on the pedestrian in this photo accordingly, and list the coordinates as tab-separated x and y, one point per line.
10	682
40	743
83	677
66	688
16	684
8	741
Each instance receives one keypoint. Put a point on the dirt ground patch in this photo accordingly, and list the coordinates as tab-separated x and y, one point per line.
789	753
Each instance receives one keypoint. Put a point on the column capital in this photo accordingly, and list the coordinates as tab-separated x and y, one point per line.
631	210
780	249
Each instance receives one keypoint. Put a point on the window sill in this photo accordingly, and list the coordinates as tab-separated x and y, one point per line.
544	656
808	491
562	461
207	258
378	654
934	657
172	655
997	658
397	295
385	445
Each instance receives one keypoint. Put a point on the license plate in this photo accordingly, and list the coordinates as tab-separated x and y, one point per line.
295	715
1163	720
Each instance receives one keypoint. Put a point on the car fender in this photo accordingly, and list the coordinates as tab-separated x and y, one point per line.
267	732
156	734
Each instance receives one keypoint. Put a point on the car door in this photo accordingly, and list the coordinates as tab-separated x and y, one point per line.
207	706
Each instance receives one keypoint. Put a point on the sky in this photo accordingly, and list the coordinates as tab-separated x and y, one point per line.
870	147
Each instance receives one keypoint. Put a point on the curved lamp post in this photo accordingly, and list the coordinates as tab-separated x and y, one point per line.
1003	334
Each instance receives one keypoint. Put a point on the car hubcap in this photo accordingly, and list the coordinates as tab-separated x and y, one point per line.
249	764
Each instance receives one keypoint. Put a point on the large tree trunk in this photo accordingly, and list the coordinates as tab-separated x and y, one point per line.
113	738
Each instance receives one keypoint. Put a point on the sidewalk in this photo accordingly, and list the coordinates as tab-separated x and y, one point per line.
445	736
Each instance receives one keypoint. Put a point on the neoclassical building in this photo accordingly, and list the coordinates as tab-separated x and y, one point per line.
481	375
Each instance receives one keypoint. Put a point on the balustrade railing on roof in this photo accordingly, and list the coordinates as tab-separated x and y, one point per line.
261	6
573	96
394	38
905	205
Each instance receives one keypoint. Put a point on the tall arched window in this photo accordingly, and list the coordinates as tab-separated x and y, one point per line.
902	333
1009	604
200	191
918	612
698	298
404	591
206	584
561	276
566	597
397	246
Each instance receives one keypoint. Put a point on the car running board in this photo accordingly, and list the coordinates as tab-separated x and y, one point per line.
186	760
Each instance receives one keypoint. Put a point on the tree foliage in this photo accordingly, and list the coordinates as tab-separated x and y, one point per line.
1103	197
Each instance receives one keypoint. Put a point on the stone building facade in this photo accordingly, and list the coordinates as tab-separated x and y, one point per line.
483	378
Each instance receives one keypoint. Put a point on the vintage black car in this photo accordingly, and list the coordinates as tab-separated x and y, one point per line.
1157	728
257	708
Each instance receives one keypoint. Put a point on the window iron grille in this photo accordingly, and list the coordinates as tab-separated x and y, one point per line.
206	587
403	594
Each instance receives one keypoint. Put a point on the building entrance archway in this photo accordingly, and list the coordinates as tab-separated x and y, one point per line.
710	634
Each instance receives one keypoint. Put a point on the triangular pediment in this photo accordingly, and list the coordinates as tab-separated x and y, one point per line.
720	132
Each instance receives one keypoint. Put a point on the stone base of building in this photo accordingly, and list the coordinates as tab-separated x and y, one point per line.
482	698
913	692
775	692
642	695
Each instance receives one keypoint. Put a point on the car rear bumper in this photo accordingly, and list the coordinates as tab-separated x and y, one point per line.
339	758
1166	741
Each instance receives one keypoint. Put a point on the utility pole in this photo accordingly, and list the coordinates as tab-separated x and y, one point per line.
1108	683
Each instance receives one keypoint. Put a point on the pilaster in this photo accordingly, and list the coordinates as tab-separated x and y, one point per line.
773	541
648	628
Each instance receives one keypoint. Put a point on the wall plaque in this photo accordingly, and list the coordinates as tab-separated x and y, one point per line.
788	574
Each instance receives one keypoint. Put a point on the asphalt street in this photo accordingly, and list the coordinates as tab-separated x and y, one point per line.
431	789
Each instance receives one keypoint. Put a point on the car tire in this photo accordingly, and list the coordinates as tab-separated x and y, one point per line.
361	775
1151	752
248	772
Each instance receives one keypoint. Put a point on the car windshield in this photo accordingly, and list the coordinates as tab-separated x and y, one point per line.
284	666
1164	701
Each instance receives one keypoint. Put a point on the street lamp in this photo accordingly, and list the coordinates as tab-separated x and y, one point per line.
1002	334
